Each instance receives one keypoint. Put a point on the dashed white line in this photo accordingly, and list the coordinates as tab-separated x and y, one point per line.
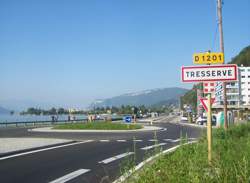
192	138
135	140
153	140
121	141
45	149
106	161
104	140
168	139
172	140
153	146
70	176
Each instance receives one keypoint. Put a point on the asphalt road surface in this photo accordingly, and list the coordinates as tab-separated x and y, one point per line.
92	157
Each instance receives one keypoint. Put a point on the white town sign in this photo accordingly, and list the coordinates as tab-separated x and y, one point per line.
209	73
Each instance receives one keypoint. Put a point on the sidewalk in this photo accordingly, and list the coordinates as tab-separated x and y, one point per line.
8	145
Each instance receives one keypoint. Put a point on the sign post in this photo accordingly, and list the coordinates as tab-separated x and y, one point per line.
209	129
209	73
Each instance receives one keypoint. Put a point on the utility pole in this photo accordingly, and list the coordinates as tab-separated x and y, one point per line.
219	12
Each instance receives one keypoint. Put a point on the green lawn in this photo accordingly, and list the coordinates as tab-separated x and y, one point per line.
98	126
230	164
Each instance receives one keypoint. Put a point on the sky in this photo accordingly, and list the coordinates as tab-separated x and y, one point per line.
69	53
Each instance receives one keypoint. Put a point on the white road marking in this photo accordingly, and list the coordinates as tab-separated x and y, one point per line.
106	161
192	138
164	129
172	140
153	140
70	176
104	140
45	149
168	140
121	141
153	146
137	140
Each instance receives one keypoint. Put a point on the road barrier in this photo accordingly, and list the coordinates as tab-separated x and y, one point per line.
46	123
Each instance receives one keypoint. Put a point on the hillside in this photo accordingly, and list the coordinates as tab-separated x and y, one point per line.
243	58
190	97
3	110
148	98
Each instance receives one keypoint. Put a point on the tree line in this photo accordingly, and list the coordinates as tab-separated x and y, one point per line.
124	109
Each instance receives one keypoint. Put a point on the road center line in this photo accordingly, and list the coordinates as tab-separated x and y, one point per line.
121	141
137	140
172	140
153	146
106	161
153	140
104	140
70	176
45	149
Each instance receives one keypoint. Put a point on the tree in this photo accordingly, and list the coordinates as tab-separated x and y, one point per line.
243	58
190	98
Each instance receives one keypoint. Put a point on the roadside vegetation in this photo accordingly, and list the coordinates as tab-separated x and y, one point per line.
231	161
98	126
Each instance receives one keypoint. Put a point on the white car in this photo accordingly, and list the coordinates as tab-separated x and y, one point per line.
184	118
201	120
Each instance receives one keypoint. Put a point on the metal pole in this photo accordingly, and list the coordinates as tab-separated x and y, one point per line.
209	129
219	11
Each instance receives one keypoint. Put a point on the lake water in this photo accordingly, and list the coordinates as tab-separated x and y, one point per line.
19	118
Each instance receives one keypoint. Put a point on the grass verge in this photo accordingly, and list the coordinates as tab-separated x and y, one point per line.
98	126
231	161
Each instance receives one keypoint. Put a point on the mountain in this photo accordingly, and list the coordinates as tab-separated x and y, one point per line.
148	98
3	110
243	58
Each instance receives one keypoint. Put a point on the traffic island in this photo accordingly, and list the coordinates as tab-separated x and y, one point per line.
97	127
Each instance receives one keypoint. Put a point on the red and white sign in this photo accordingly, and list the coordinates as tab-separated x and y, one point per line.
208	87
204	102
227	72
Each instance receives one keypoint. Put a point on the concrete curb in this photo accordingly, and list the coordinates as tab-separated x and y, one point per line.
140	165
49	129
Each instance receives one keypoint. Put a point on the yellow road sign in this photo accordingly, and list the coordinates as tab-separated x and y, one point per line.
208	58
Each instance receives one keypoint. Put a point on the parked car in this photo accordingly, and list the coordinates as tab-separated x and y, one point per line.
203	120
184	119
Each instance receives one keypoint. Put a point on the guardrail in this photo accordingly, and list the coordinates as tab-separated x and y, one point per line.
47	123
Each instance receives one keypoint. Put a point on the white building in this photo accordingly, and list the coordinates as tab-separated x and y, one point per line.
238	93
245	85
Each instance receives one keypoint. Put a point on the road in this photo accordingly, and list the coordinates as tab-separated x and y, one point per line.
93	157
